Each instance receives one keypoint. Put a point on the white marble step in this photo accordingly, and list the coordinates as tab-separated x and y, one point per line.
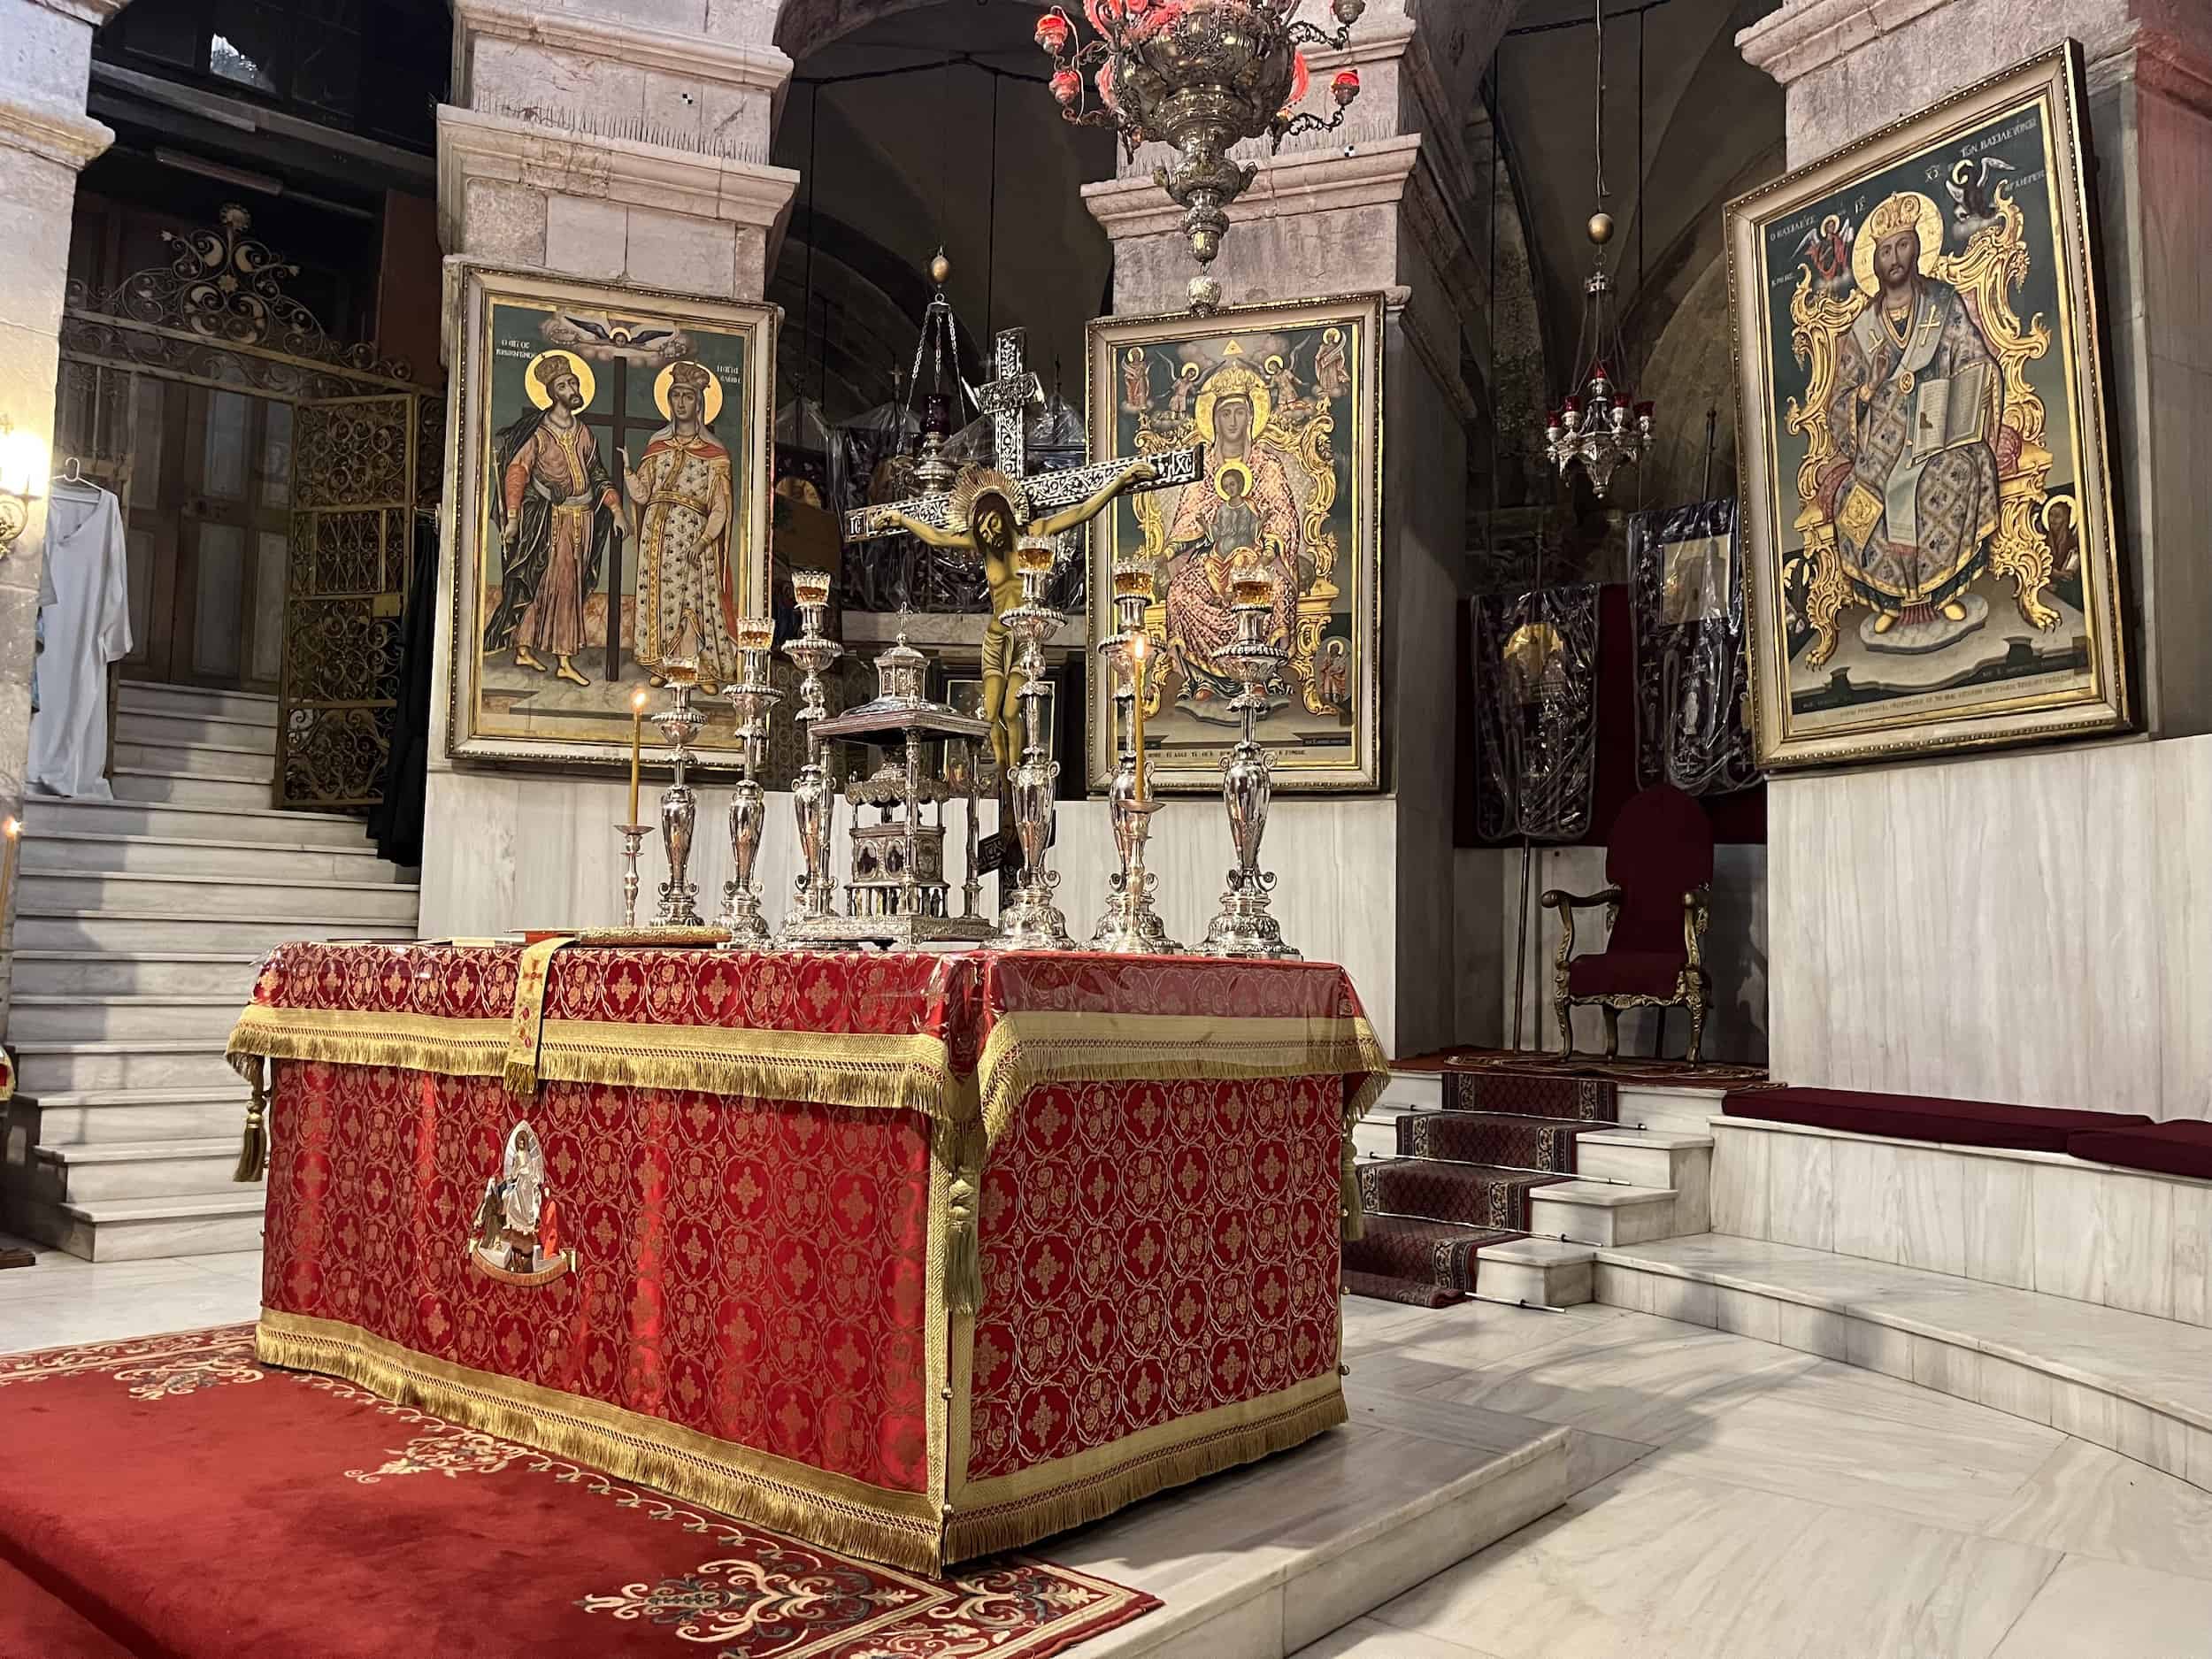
1653	1157
65	851
1540	1272
39	1016
337	902
2131	1382
199	760
135	1229
136	726
142	696
157	1169
83	974
260	825
166	1063
1676	1109
146	784
127	1117
1601	1213
119	930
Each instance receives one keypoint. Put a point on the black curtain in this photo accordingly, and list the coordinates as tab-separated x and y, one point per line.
395	822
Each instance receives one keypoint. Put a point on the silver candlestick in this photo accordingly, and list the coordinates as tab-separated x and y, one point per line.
633	843
1031	921
680	722
814	791
1130	926
754	698
1243	926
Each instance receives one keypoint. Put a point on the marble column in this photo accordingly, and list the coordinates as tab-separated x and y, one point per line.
46	138
622	141
2030	926
1374	206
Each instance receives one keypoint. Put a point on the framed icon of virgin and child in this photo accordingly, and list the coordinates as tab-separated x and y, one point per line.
610	511
1285	403
1926	500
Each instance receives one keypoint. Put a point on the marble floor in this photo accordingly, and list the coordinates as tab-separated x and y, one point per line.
1731	1497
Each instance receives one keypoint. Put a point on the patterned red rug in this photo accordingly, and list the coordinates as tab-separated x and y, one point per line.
172	1497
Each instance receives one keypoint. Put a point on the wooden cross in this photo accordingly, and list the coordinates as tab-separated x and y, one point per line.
1007	400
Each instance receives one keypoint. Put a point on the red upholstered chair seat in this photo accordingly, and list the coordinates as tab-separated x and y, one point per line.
2182	1148
1617	972
1959	1122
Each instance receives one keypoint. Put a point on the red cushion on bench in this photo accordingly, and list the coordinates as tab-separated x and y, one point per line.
2181	1147
1961	1123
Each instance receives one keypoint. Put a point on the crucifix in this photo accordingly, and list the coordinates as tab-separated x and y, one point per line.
1047	504
1007	400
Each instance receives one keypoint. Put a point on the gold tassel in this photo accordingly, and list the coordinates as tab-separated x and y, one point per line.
958	1150
253	1156
1351	1214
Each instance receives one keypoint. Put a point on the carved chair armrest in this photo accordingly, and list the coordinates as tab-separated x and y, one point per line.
1565	902
1697	910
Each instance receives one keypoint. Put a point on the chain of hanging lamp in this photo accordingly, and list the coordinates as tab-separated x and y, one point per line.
1599	425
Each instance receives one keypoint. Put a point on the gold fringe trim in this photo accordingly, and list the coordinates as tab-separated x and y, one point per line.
851	1526
1013	1526
413	1043
253	1154
908	1073
532	973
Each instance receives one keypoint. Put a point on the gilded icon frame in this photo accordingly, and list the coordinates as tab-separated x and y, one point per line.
741	419
1339	515
2053	664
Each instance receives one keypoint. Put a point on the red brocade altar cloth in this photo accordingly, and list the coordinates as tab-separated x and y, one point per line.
917	1256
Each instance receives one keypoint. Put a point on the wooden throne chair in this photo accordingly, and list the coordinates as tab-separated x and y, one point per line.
1657	900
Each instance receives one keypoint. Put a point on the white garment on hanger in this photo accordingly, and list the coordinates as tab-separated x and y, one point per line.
88	626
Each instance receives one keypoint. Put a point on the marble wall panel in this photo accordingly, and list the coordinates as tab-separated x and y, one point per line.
1739	1191
1800	1195
2039	932
1869	1194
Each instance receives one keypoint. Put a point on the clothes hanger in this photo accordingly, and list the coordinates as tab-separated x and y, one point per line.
71	472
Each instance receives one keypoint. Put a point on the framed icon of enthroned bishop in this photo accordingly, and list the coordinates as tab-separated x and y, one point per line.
611	508
1927	505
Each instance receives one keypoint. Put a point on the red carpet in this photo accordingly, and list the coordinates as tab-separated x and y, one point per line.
1462	1180
171	1498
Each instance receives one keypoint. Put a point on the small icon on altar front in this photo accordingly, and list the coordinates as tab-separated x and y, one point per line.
517	1235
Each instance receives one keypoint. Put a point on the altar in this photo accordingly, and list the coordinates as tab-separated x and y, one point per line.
920	1256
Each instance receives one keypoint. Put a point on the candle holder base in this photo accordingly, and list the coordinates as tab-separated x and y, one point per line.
1033	922
1243	928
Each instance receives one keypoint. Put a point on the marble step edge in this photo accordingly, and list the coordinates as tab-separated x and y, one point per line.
1304	1590
77	1099
243	958
1535	1272
175	877
246	1198
131	692
79	913
137	1151
123	838
220	725
38	1048
125	999
254	751
39	805
2129	1415
1604	1194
